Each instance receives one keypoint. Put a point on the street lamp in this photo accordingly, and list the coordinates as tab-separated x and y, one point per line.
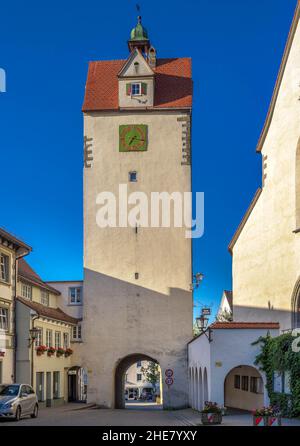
202	323
33	333
197	279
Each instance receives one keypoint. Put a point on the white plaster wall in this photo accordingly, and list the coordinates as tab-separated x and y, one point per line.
63	301
266	262
228	349
143	100
122	315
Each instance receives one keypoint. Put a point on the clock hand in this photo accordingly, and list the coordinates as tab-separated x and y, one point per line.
134	137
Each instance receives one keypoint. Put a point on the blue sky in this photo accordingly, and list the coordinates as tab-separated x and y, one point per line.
236	47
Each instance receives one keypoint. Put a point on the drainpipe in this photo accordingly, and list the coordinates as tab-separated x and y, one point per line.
15	315
32	349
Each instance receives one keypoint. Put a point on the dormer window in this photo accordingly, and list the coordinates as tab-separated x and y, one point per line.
136	89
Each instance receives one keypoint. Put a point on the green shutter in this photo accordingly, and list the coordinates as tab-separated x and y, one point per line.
144	88
128	89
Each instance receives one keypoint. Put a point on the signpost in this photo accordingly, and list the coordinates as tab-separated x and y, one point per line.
169	377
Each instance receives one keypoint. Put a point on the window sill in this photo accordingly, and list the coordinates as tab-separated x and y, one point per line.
75	305
4	282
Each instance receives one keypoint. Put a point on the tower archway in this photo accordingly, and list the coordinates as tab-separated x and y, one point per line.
120	375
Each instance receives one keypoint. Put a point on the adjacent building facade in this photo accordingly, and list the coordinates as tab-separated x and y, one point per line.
136	385
266	247
11	249
45	361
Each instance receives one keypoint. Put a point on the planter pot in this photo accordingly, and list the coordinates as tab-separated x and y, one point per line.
266	421
39	353
274	421
59	355
260	420
50	354
211	418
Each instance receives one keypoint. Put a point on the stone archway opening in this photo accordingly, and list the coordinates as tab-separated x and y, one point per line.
244	388
132	390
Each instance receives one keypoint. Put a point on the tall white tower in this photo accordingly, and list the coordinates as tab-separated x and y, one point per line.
138	303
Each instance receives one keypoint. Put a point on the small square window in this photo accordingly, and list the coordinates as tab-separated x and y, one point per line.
133	177
139	377
135	89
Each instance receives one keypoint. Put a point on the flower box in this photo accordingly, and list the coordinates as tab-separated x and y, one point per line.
2	354
60	352
211	414
68	352
274	421
259	420
41	349
211	418
51	351
266	416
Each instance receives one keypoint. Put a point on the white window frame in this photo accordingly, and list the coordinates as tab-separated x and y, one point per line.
77	297
135	84
45	298
26	291
4	319
57	339
76	333
39	339
66	340
4	267
49	338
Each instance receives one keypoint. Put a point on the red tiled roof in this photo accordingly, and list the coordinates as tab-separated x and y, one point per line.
26	272
245	325
173	84
48	312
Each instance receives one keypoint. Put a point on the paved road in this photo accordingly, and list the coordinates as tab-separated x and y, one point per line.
72	415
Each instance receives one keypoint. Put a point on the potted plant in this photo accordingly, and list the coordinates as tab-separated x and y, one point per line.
211	414
41	349
51	351
59	352
266	416
68	352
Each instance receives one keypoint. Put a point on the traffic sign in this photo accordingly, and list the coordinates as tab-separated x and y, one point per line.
169	373
169	381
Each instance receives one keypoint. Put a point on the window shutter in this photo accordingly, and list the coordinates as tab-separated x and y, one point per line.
144	88
128	89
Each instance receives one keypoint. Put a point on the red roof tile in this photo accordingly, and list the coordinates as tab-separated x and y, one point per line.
26	272
173	84
48	312
245	325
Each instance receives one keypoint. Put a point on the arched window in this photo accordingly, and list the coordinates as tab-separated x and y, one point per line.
297	187
296	305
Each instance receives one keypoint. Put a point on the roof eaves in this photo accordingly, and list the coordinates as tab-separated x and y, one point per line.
284	60
244	220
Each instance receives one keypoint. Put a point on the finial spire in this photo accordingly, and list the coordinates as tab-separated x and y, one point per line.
139	35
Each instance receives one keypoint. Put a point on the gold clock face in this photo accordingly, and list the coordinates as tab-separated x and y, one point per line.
133	138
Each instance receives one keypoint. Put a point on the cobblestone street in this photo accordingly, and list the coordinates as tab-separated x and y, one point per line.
74	415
